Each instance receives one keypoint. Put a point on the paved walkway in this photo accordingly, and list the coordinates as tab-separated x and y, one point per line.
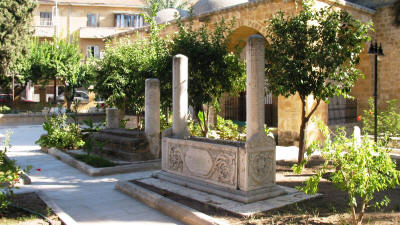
88	200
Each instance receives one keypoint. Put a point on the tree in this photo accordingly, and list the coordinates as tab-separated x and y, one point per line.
165	4
15	17
213	70
314	53
53	60
120	75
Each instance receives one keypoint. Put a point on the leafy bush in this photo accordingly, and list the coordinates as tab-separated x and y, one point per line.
224	129
61	134
361	169
388	120
9	176
5	109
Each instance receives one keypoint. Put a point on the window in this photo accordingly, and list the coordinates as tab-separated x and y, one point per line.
92	51
125	20
93	20
46	19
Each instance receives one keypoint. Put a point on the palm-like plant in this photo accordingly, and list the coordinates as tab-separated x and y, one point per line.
397	13
165	4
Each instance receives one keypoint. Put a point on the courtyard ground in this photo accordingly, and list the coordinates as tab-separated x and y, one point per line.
93	200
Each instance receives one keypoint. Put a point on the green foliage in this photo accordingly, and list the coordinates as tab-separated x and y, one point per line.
61	134
91	126
164	124
165	4
213	70
9	175
120	76
224	129
361	169
56	59
314	52
15	20
5	109
388	120
94	160
228	130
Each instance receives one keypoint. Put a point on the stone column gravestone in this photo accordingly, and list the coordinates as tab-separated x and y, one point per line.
152	116
240	171
180	103
112	116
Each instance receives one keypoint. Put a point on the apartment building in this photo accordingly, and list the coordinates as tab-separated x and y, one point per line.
89	20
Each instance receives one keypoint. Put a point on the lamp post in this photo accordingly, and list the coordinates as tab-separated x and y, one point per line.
374	50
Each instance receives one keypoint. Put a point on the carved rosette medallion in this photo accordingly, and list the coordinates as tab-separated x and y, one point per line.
175	161
225	167
261	166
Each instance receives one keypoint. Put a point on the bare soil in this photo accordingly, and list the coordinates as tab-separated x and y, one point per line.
330	208
31	201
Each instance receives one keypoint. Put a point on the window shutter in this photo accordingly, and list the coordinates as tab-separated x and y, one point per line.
88	51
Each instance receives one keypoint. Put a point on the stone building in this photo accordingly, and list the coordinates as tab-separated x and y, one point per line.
284	113
88	20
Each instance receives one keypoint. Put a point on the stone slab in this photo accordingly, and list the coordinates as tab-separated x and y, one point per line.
92	171
171	208
235	207
233	194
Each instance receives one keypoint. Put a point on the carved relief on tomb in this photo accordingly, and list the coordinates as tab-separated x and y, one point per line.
261	166
175	161
225	167
204	163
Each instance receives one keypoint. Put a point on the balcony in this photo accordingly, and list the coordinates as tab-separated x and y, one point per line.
44	31
100	32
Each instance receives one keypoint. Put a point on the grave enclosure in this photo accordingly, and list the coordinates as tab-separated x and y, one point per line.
239	177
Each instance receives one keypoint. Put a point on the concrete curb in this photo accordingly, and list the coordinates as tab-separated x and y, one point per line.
57	209
92	171
171	208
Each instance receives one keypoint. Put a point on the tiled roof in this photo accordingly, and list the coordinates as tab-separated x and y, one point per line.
131	3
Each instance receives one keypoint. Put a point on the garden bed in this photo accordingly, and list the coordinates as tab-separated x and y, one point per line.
114	168
31	202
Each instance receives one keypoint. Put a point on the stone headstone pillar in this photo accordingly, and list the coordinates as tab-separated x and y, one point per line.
112	118
152	115
255	92
180	96
257	160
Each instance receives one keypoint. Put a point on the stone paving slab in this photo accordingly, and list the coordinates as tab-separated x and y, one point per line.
87	200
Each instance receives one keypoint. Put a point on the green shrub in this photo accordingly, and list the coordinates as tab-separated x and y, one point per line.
9	175
388	120
224	129
361	168
61	134
5	109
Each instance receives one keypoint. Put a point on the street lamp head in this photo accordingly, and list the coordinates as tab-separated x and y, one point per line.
372	49
380	50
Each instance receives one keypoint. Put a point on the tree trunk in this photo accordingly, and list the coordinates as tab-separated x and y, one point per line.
302	132
55	91
304	120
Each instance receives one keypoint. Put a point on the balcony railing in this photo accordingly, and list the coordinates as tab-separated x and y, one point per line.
44	31
100	32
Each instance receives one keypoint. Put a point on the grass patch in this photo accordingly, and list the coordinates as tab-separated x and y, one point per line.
94	160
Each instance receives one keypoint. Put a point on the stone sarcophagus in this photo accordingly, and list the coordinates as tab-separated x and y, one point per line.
240	171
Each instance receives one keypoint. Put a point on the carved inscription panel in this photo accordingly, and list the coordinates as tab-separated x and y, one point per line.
204	162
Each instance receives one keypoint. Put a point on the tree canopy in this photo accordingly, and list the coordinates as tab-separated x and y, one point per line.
15	18
159	5
314	53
